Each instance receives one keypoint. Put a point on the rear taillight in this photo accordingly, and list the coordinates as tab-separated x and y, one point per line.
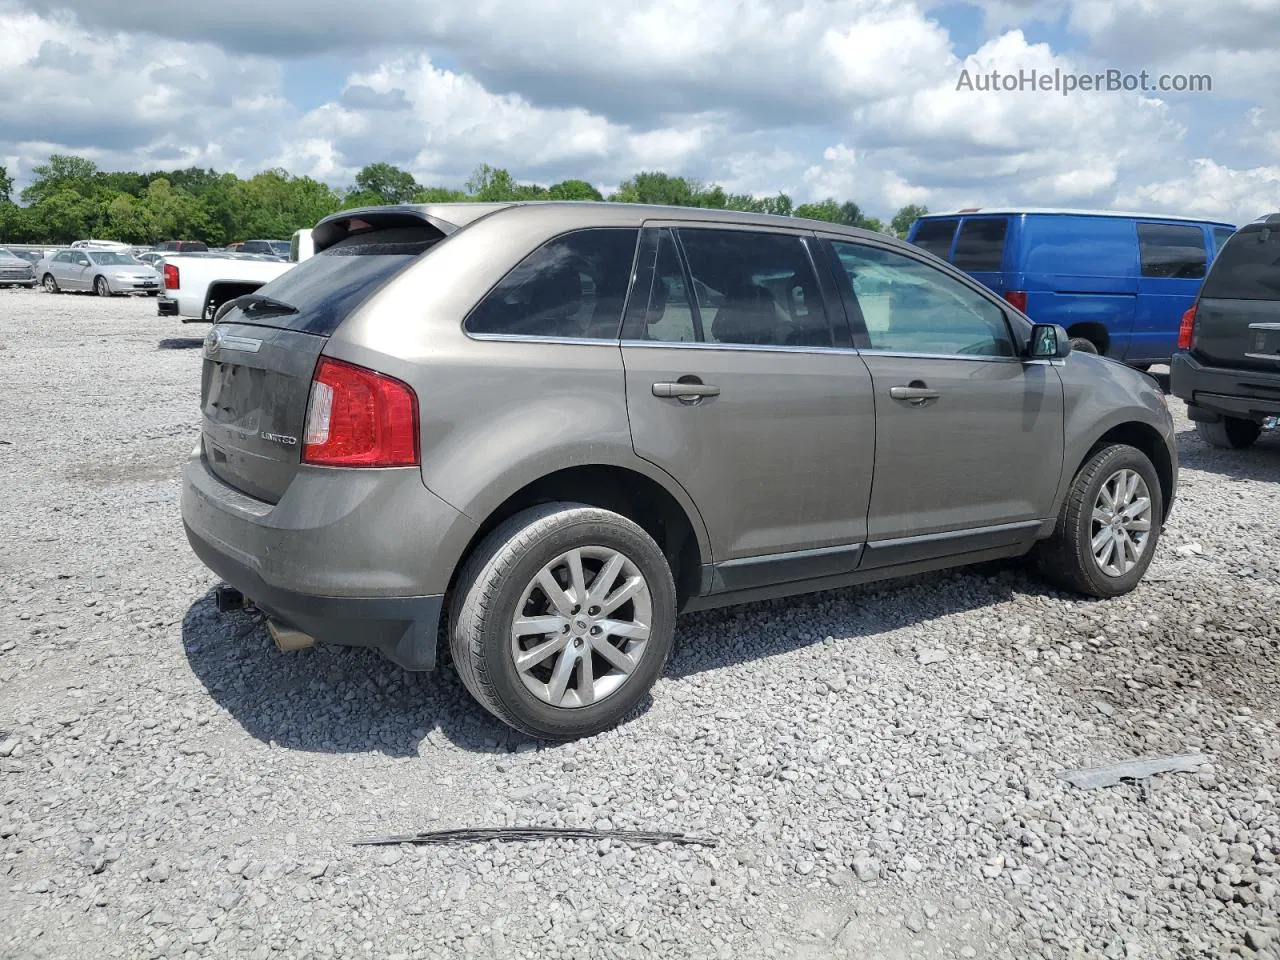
1018	298
170	277
359	418
1187	329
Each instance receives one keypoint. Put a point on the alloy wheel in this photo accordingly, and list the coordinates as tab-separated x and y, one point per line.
581	627
1121	527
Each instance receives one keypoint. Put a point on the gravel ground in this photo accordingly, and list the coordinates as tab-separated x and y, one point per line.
879	766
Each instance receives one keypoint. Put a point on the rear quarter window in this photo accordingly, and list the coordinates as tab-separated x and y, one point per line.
1172	251
1248	268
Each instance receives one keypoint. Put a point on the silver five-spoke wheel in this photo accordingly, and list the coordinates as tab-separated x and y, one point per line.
1121	523
581	627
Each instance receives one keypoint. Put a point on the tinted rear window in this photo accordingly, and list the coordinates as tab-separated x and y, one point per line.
1171	251
326	288
935	236
1248	268
980	246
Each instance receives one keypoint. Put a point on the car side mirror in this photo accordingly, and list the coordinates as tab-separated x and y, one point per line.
1048	342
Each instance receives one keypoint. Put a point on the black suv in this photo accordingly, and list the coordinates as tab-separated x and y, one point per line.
1227	367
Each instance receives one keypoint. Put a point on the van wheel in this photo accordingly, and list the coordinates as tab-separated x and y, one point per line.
1109	525
1081	345
562	620
1230	433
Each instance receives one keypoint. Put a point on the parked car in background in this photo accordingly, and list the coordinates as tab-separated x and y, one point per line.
576	420
105	272
101	245
1117	282
182	246
1227	367
16	271
197	284
270	248
151	259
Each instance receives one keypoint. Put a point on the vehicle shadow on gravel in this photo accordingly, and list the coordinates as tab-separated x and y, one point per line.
180	343
331	699
1259	462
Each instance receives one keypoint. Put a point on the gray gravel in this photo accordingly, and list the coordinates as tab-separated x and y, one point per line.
879	765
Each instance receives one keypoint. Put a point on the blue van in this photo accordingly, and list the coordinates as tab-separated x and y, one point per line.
1118	282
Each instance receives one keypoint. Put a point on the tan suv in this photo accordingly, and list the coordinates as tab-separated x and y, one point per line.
554	426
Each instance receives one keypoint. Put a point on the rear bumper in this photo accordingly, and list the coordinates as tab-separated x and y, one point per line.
1214	392
357	558
166	308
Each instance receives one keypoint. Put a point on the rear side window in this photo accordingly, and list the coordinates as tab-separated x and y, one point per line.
571	287
1171	251
935	236
742	288
323	290
980	246
1220	237
1248	268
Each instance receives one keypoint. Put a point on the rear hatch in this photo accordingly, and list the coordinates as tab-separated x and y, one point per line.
262	351
1238	315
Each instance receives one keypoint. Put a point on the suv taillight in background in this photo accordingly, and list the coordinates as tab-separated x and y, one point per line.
170	277
359	418
1187	329
1018	298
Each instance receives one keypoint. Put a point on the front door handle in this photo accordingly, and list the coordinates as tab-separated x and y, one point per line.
688	392
916	393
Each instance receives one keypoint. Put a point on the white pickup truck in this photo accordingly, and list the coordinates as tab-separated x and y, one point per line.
197	284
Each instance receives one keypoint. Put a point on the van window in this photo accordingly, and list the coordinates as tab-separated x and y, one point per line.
1220	237
980	246
935	236
571	287
1172	251
1248	268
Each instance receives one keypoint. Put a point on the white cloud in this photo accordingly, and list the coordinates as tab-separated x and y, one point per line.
1209	189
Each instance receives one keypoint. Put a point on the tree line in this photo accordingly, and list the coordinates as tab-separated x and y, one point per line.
69	199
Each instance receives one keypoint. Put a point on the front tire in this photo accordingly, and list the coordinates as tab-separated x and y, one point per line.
1109	526
1083	345
50	284
542	641
1230	433
101	288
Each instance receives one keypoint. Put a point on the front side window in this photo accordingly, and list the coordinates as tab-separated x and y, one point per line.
936	236
108	259
911	307
81	260
743	288
572	287
1172	251
980	246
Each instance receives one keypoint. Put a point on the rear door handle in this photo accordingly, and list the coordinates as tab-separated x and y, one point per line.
917	393
685	391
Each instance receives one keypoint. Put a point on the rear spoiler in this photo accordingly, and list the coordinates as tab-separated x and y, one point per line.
446	218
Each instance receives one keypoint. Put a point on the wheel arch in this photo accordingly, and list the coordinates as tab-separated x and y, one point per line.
1095	333
1144	437
665	514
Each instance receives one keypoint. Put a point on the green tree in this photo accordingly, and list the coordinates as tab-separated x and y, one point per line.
492	184
61	172
827	210
904	218
573	190
655	187
6	185
388	182
439	195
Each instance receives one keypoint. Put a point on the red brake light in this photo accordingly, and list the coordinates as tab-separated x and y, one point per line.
359	418
1187	329
1018	298
170	277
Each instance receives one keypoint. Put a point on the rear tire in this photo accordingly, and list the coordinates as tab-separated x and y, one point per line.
499	589
1083	345
1069	558
1230	433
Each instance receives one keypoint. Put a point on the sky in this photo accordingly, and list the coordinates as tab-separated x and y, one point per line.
853	99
